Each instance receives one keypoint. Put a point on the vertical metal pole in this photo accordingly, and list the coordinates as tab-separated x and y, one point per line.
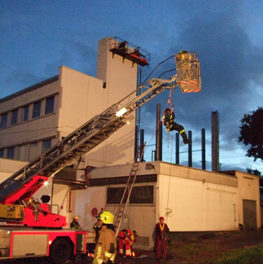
153	155
142	139
158	134
215	142
161	139
190	149
203	149
136	141
177	153
137	113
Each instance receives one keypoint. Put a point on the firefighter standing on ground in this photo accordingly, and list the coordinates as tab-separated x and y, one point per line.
126	238
161	235
105	250
168	121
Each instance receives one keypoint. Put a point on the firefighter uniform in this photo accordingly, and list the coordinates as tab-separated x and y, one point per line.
168	121
161	233
105	250
75	224
125	240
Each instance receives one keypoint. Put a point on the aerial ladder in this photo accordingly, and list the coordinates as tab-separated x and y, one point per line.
16	192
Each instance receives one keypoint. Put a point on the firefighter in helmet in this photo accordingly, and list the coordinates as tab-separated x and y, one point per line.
105	250
168	121
75	223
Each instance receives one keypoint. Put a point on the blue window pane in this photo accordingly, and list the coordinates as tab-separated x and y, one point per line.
10	153
1	153
3	123
36	109
25	113
49	105
46	145
14	117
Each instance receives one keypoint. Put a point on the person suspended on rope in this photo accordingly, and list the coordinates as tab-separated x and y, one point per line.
170	124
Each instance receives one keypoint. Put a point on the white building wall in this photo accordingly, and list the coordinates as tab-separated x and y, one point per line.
191	205
8	167
83	97
84	201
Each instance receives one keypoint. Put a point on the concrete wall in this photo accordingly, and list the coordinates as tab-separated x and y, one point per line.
8	167
192	205
83	201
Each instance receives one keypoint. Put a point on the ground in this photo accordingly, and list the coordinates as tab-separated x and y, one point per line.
203	248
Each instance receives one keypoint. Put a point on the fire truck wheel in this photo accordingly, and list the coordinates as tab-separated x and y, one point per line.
60	251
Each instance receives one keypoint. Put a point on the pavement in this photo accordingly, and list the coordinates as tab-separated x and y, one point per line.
146	257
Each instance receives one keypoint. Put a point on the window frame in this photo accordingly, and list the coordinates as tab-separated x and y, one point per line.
36	111
49	109
25	109
2	153
119	192
12	149
44	148
14	117
4	125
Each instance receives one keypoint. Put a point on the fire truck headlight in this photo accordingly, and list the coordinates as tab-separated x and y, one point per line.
45	183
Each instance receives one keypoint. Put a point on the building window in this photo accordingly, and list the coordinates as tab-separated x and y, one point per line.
33	151
139	195
50	105
36	109
3	123
11	153
142	195
46	144
25	113
114	195
1	153
14	117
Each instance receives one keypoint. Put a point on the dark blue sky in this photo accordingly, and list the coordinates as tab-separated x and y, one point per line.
39	36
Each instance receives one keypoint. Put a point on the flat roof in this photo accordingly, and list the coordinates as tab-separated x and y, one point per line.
30	88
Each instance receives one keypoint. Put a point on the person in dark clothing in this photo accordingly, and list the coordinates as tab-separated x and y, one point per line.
123	46
161	236
137	52
97	228
168	121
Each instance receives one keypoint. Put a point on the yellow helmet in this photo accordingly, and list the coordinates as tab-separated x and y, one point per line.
106	217
76	217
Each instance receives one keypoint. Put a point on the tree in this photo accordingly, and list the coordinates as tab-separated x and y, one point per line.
254	172
251	133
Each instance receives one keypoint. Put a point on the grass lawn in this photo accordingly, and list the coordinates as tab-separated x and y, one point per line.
218	248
